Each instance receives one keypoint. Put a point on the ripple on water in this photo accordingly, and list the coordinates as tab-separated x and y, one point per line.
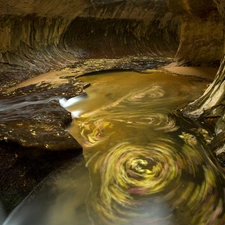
145	168
159	183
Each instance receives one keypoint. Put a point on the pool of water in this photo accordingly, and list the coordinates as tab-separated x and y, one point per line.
143	163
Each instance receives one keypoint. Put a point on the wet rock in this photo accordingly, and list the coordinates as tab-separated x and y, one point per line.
38	37
220	155
39	128
213	121
33	118
33	137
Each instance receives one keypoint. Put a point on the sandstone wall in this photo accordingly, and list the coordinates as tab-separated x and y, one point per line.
36	36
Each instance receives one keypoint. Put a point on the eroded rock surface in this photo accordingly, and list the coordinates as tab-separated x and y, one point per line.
39	36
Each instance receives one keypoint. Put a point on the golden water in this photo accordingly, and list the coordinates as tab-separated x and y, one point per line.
146	164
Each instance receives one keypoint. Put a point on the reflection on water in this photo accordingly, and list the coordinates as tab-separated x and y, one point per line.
146	165
58	200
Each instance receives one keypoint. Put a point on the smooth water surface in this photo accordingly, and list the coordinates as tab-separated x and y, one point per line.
146	164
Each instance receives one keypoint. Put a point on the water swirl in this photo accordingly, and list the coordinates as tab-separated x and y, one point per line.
149	185
147	168
95	130
96	126
151	92
139	98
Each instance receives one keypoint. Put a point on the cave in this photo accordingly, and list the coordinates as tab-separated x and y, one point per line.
46	46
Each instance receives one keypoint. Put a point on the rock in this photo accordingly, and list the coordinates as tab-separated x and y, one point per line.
32	117
66	32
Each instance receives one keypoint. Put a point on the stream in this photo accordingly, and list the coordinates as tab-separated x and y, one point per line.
142	163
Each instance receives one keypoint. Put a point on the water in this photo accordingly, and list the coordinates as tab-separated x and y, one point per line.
57	200
146	165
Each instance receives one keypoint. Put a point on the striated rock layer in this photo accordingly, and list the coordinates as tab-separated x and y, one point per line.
209	108
37	36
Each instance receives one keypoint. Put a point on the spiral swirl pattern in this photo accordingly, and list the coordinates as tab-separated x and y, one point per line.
96	126
157	173
130	174
151	92
95	130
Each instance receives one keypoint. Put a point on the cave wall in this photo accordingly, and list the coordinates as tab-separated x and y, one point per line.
30	41
51	8
114	38
204	43
37	36
202	32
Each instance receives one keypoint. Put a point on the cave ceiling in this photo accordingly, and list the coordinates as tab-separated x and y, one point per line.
37	36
